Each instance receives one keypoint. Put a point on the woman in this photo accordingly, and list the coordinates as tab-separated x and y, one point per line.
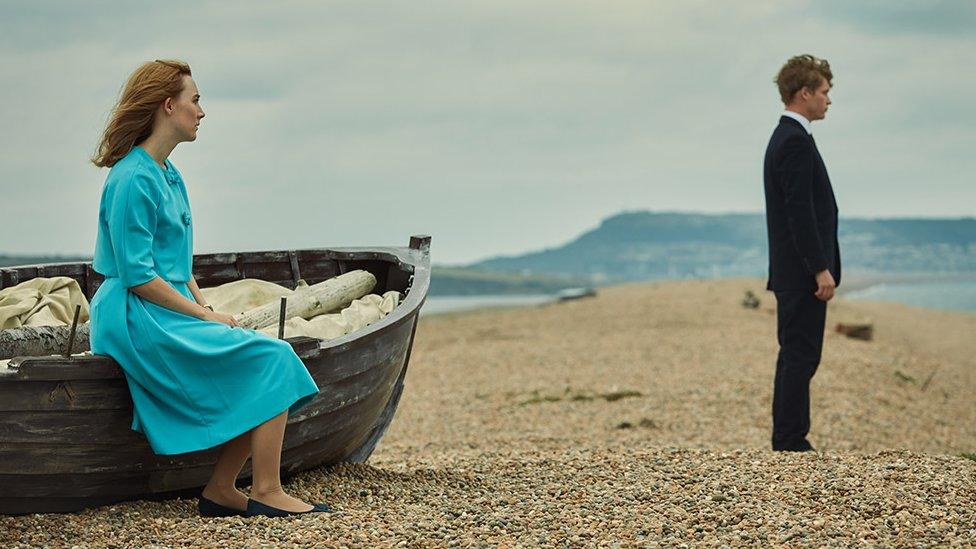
196	380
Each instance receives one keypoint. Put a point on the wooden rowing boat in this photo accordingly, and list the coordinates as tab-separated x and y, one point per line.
65	437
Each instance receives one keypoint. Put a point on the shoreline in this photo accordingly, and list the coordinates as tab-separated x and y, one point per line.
853	286
455	304
858	282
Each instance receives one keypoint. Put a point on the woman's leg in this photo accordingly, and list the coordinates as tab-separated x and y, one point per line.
221	487
266	488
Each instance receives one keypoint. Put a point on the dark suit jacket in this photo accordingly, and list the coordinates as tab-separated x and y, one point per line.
801	212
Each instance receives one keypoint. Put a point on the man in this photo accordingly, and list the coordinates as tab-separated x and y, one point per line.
804	255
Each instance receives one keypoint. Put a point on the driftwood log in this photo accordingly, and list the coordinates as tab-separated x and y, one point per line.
863	331
307	301
42	340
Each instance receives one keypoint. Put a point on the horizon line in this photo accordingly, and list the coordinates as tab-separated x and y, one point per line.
82	256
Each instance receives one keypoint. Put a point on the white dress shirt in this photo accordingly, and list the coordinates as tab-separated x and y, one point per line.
801	119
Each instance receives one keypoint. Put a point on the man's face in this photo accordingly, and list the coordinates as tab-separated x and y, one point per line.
818	101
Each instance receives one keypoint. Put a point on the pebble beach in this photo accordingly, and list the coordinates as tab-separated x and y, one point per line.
640	417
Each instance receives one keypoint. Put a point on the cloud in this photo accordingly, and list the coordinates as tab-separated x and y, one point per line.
929	17
496	126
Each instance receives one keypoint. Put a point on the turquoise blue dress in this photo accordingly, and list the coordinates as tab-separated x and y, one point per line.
194	384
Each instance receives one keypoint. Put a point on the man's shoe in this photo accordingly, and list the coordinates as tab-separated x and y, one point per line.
210	508
802	445
806	448
258	509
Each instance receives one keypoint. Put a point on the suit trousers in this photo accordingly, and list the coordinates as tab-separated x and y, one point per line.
800	319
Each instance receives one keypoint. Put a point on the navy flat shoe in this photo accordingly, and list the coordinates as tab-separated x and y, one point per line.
210	508
258	509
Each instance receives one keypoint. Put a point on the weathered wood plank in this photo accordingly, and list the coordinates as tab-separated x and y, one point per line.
86	458
362	453
112	427
210	276
62	369
53	368
92	281
336	363
316	266
294	461
82	394
214	259
165	473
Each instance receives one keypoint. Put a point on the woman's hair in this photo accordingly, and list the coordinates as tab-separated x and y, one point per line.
131	120
802	71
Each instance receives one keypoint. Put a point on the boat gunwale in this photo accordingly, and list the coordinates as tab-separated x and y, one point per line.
407	259
408	308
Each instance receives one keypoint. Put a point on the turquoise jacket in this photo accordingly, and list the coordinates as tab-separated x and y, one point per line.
144	222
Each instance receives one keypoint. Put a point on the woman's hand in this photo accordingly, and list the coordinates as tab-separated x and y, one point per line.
214	316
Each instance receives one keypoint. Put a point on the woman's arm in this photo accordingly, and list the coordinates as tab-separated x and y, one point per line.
162	294
132	227
195	290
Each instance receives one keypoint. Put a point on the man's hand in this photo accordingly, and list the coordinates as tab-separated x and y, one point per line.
825	285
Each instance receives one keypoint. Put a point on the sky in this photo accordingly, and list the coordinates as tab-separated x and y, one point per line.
497	127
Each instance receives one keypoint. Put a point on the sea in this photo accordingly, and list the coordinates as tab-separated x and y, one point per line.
948	294
454	304
952	295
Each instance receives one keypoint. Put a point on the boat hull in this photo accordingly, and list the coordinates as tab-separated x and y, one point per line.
65	437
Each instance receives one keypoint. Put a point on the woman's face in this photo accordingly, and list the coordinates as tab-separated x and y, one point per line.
185	112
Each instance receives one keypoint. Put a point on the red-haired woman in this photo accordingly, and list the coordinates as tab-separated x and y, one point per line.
197	381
